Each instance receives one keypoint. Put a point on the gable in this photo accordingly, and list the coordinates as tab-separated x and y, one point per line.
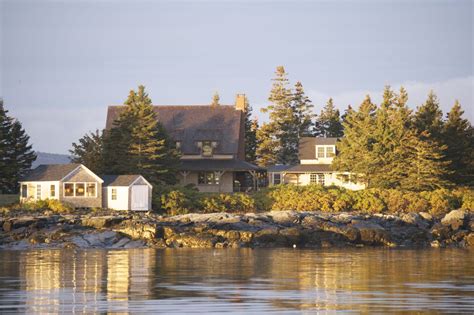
190	124
81	174
307	146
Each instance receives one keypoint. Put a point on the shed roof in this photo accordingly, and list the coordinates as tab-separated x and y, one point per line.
308	168
50	172
217	165
119	180
278	168
191	123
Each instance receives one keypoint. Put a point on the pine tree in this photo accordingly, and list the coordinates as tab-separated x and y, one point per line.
250	127
139	144
283	122
458	135
89	151
16	155
328	123
428	118
267	147
302	108
215	100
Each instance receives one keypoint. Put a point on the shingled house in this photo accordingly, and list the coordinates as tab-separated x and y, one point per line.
316	155
212	143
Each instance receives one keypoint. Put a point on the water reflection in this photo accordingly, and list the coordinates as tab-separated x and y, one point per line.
196	280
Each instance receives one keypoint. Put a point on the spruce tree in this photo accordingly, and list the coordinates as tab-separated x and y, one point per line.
428	119
302	108
328	123
267	145
283	122
250	127
89	151
139	144
458	135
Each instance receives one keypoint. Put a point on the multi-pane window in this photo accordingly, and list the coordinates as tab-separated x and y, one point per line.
24	191
206	148
113	194
325	151
317	178
80	189
52	191
38	191
208	178
276	178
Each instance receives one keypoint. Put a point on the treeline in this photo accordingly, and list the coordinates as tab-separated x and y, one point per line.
137	143
386	146
16	154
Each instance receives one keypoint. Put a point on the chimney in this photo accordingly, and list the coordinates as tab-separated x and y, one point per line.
240	102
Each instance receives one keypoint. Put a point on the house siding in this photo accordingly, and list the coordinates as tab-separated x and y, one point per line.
82	176
226	183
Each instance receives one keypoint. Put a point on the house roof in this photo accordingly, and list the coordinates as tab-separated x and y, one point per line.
307	149
51	172
278	168
119	180
189	124
309	168
217	165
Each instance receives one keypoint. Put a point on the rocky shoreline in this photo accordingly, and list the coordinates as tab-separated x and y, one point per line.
221	230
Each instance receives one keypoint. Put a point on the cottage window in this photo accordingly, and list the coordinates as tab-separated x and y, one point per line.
80	190
90	190
68	190
206	148
52	191
113	194
320	152
38	191
325	151
330	151
177	145
208	178
24	191
317	178
276	178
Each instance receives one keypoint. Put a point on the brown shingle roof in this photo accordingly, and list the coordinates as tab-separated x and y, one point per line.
51	172
190	124
119	180
307	149
308	168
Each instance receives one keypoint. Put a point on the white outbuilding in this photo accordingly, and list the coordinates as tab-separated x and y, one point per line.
126	192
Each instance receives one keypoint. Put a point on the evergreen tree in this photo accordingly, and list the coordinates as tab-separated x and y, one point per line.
250	127
89	151
458	135
328	123
283	122
428	119
215	99
138	143
16	155
267	147
302	108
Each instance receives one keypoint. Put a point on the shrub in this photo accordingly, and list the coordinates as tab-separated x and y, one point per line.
369	200
46	204
238	202
180	200
441	201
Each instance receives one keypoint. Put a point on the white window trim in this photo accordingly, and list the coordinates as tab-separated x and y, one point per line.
40	190
273	178
112	194
325	147
318	178
74	190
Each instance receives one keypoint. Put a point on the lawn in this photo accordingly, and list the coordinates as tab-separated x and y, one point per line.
6	200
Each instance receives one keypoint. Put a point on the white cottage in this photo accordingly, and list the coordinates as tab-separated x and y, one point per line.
126	192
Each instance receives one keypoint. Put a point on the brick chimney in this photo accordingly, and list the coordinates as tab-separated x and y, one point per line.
240	102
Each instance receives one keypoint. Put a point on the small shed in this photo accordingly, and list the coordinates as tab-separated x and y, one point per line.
126	192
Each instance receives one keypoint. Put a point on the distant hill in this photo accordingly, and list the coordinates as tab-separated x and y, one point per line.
50	158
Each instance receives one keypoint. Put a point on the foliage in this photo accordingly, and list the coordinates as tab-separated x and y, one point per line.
45	204
328	123
302	108
180	200
16	155
237	202
6	200
89	151
251	127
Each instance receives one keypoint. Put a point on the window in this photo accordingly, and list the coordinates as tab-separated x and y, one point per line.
177	145
68	190
80	190
317	178
90	189
113	194
38	191
52	191
206	148
24	191
208	178
276	178
325	151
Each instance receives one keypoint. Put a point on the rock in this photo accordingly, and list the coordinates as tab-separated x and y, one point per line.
372	233
455	219
102	222
143	231
7	226
286	218
292	235
426	216
415	219
470	240
121	243
191	240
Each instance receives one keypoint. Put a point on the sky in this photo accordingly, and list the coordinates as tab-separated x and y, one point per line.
63	62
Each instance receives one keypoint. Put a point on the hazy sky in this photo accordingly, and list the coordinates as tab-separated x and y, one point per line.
63	62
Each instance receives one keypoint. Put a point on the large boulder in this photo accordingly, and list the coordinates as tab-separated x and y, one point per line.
102	222
456	219
372	233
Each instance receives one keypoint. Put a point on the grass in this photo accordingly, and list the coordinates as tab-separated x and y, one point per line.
6	200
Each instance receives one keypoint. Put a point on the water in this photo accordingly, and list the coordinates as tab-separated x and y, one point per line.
237	280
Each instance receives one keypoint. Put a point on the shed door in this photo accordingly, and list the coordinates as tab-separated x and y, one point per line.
140	197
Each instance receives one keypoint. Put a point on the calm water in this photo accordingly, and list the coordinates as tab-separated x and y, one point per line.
236	280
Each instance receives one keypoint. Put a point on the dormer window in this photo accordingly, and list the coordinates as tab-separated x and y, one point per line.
177	145
207	148
325	151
